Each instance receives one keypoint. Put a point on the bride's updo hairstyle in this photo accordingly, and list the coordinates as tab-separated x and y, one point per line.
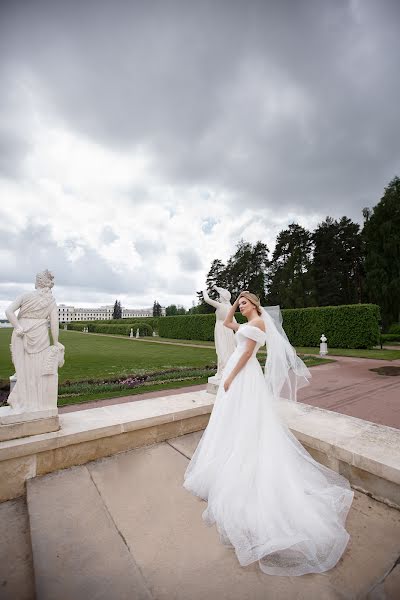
253	299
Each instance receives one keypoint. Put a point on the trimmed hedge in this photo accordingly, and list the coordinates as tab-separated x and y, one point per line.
76	326
144	328
395	328
347	326
190	327
152	321
390	337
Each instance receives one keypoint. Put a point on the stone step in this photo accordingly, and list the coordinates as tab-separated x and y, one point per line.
78	552
181	558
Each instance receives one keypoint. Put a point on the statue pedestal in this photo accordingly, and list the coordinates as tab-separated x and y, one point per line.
16	425
212	385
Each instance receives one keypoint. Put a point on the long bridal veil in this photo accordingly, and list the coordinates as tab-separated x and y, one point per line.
285	372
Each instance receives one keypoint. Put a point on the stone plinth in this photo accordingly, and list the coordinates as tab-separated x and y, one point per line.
17	425
212	388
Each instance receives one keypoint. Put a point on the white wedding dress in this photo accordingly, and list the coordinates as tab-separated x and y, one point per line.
270	500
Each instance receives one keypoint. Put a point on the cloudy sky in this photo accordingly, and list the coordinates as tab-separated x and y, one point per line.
141	140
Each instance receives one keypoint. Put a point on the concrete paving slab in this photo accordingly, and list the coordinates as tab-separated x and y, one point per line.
77	551
16	567
178	555
389	589
391	585
365	561
182	558
186	444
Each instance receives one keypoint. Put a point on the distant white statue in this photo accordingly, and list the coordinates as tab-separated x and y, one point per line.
223	336
131	333
323	347
36	361
137	332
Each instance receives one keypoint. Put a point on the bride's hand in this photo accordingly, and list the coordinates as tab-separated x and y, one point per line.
236	303
227	384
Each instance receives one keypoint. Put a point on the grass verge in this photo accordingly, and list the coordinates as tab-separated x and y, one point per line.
374	353
152	387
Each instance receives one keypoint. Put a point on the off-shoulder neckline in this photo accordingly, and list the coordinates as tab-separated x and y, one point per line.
255	326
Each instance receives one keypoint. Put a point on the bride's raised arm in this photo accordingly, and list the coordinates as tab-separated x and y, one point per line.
229	322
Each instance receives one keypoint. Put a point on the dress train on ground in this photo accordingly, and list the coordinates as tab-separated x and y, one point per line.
269	499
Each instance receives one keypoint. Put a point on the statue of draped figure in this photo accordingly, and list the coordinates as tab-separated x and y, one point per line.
36	361
224	338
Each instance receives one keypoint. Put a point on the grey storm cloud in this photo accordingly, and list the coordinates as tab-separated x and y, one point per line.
108	235
150	249
190	260
34	249
286	105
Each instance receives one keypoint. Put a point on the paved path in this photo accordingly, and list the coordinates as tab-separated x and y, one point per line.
347	386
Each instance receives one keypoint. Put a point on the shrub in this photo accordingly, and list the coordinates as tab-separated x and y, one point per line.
390	337
395	328
190	327
76	326
123	329
152	321
144	329
347	326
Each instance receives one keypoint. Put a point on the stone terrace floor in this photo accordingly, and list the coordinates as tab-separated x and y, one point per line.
133	509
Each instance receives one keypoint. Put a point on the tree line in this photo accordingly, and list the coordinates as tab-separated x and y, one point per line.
339	262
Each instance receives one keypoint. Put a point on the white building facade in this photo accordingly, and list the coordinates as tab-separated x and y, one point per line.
68	314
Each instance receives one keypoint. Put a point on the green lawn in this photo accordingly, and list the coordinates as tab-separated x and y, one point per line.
209	344
91	356
102	357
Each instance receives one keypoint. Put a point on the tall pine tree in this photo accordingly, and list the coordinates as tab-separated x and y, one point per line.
215	276
382	246
291	281
247	269
156	309
338	262
117	312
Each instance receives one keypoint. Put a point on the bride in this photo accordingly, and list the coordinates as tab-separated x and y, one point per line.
270	500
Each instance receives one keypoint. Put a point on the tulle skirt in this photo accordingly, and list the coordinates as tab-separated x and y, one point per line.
269	499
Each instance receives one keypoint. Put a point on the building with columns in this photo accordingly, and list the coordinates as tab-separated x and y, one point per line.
68	314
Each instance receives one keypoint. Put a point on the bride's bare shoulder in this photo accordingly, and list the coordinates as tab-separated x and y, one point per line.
259	323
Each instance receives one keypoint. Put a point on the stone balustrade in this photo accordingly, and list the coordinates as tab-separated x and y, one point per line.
366	453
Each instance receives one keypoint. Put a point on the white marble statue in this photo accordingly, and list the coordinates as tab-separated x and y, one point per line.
323	347
36	361
223	336
137	332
